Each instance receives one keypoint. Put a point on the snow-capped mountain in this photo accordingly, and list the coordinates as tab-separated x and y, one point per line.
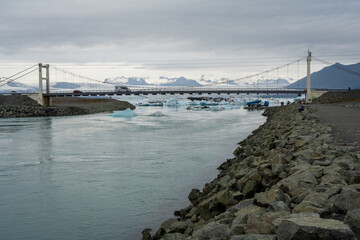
222	81
271	83
127	80
19	87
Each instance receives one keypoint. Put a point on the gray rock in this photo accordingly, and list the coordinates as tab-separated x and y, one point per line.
174	236
273	195
223	182
299	182
314	203
194	196
333	178
314	228
240	205
254	237
353	220
251	187
279	206
347	200
276	223
146	234
179	227
263	224
167	223
241	215
214	231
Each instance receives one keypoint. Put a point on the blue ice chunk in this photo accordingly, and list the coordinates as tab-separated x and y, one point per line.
125	114
172	102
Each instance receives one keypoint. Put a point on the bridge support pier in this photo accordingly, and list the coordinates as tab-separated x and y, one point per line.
308	98
44	100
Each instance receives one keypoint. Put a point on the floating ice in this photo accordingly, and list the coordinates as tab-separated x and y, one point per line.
217	109
151	103
172	103
157	114
125	114
235	101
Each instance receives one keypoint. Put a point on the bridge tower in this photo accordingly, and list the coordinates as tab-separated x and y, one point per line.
308	98
45	101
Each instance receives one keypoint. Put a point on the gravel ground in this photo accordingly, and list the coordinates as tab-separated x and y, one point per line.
343	120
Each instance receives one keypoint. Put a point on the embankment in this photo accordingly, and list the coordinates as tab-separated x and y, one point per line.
23	106
290	179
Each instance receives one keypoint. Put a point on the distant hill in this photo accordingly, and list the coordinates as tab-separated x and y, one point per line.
181	81
332	78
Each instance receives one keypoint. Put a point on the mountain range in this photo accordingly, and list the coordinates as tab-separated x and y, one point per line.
337	76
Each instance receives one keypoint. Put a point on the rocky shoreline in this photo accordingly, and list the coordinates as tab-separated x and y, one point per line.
290	179
23	106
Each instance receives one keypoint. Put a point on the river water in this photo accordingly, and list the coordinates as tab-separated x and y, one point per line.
108	177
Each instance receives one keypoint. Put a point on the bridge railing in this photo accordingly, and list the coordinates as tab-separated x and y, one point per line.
189	89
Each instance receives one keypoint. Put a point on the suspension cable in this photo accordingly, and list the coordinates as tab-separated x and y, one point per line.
10	78
255	75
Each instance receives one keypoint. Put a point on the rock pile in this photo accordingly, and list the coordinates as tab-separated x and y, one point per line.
337	97
23	106
289	180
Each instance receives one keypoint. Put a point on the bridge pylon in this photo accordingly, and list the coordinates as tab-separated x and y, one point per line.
308	98
44	100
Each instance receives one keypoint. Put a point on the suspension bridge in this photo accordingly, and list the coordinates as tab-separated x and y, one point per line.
95	87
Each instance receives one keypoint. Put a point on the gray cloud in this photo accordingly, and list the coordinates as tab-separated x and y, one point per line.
109	30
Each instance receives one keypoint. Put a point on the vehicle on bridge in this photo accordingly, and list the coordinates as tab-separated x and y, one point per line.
122	88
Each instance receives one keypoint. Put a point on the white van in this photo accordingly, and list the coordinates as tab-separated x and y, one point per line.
121	88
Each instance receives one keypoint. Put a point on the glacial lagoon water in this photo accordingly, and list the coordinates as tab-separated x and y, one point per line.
108	177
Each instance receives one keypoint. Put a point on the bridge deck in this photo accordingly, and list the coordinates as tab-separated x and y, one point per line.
177	91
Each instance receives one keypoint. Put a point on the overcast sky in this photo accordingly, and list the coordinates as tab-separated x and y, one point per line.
211	37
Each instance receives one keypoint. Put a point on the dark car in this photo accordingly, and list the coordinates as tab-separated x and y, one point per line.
77	91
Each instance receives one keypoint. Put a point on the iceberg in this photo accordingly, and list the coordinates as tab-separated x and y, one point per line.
171	103
125	114
157	114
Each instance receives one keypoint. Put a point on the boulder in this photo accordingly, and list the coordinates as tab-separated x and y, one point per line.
174	236
276	222
273	195
223	182
241	205
314	203
314	228
164	227
179	227
146	234
262	224
241	216
254	237
333	178
194	195
276	158
215	205
213	230
353	220
347	200
299	182
250	188
279	206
